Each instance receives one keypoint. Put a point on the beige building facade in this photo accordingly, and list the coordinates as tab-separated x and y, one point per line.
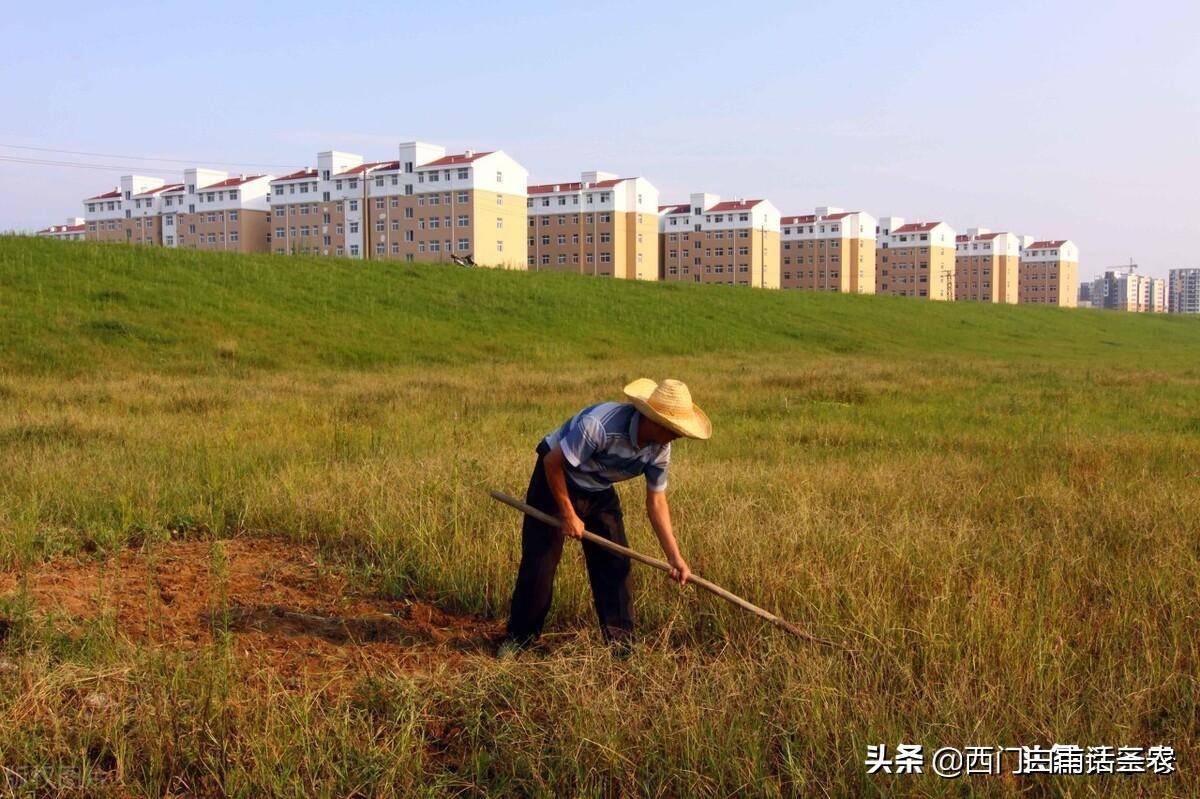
423	206
323	211
228	215
110	216
1049	273
429	206
987	265
829	250
732	242
915	259
602	225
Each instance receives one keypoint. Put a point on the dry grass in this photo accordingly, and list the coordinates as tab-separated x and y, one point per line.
1010	544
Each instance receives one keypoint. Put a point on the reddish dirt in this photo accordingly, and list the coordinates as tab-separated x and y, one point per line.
286	610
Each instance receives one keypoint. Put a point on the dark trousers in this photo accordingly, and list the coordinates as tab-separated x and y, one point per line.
541	548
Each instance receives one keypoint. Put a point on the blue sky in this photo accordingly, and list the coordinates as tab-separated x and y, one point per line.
1076	120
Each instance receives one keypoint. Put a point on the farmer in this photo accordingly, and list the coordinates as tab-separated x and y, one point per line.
573	479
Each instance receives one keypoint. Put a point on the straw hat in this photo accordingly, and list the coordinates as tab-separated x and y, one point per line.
670	404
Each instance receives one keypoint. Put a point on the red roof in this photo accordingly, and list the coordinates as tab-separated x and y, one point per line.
358	170
298	175
961	237
682	208
450	160
115	193
733	205
550	188
229	183
797	220
62	229
916	227
1047	245
160	189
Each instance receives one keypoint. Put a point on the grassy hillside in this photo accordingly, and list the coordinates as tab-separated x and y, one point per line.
996	508
73	308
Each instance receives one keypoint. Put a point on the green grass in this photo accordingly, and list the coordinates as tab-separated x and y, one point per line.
998	506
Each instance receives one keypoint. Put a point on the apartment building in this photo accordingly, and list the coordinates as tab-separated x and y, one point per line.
323	210
429	206
209	210
1049	273
914	259
230	214
1183	291
601	225
74	230
110	216
986	266
829	250
145	220
706	240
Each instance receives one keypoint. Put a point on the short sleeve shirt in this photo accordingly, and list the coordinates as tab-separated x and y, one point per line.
600	447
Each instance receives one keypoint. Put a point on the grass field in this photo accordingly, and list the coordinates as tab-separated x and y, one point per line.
998	508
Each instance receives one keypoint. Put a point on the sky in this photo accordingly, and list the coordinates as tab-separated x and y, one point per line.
1053	119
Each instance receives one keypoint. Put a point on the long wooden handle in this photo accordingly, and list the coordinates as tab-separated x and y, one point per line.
696	580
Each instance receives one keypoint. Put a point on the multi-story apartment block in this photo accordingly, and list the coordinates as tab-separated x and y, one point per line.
829	250
1049	272
735	242
323	210
986	266
74	230
296	212
428	206
214	211
1183	292
603	225
914	259
109	216
144	222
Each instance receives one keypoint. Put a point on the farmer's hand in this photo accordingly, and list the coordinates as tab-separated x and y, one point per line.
572	526
679	569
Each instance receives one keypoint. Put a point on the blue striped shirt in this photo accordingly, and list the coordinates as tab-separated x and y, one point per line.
600	447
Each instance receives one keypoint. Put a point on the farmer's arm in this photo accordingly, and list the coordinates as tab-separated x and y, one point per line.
660	520
553	463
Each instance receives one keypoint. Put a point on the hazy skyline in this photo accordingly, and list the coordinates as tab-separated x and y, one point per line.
1063	120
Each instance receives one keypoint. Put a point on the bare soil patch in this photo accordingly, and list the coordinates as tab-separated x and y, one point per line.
286	609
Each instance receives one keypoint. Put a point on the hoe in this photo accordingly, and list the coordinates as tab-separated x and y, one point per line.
662	565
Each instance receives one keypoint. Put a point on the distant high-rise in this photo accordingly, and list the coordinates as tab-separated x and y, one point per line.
1123	290
1183	293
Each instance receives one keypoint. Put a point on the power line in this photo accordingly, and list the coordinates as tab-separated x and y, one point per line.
76	165
72	164
146	158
